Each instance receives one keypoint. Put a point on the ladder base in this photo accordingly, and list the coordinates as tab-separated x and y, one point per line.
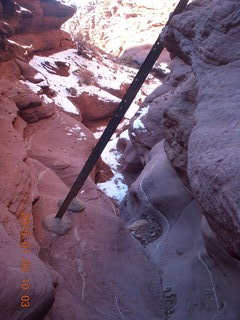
56	225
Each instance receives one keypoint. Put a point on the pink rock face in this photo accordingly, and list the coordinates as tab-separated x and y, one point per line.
96	105
198	127
41	291
35	25
60	143
189	265
116	26
31	106
96	269
98	258
18	190
28	72
14	187
43	15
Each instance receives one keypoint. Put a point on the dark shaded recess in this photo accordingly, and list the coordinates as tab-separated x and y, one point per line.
2	44
8	8
50	1
41	311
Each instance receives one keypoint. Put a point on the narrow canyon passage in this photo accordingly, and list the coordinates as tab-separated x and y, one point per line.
154	232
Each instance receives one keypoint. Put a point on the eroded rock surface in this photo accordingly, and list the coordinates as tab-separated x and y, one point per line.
185	136
116	26
95	270
175	255
213	152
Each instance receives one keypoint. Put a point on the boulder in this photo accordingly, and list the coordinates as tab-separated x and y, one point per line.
96	104
49	41
46	15
31	106
62	144
28	72
35	114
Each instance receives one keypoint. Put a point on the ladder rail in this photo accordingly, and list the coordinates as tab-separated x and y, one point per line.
118	115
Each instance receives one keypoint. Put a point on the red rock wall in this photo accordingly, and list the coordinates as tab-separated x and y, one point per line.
116	26
33	26
96	270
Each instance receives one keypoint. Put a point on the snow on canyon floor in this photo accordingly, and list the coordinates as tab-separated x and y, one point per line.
68	75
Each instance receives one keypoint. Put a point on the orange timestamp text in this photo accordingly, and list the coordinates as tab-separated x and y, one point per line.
25	223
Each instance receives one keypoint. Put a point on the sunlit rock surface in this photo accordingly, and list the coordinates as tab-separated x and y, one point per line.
126	29
96	270
174	254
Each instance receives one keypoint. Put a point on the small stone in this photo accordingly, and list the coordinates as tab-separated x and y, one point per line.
75	206
167	292
137	224
56	225
72	91
165	289
152	233
137	236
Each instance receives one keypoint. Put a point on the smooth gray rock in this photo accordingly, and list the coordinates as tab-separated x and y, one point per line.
198	251
196	270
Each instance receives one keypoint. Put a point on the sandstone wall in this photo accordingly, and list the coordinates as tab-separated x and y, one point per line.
188	143
95	271
117	26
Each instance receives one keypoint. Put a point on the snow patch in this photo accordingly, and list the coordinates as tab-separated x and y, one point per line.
99	132
65	104
32	86
110	155
115	188
164	66
132	110
22	9
46	99
19	45
137	123
77	130
102	94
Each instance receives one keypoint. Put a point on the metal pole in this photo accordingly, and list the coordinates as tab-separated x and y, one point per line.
118	115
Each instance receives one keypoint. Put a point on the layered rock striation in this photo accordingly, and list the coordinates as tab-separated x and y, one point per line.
185	135
125	29
182	207
96	270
